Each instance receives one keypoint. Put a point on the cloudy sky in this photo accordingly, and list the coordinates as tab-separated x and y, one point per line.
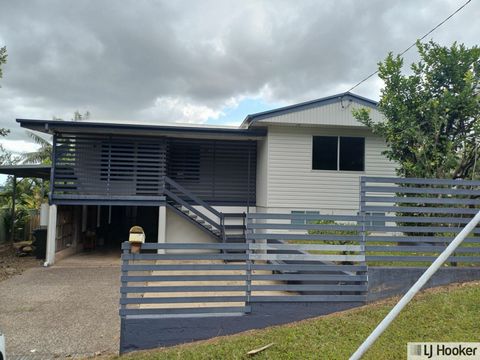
209	62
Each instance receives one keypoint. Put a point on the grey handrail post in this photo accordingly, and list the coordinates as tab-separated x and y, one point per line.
222	224
124	273
416	288
248	271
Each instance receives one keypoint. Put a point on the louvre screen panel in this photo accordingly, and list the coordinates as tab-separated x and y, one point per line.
217	171
109	166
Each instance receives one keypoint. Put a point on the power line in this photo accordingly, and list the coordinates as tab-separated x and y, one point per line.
412	45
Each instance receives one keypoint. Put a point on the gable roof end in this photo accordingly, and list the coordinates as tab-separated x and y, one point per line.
252	118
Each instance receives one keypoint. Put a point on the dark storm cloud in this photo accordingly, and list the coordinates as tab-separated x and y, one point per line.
153	59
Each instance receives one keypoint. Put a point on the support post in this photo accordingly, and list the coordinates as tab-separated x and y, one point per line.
51	235
162	227
84	218
416	288
14	199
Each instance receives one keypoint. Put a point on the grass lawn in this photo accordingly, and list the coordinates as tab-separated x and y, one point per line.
450	313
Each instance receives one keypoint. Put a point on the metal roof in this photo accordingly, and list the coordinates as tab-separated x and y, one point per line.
27	171
307	105
52	126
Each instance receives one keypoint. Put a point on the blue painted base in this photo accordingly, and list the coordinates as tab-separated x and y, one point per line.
137	334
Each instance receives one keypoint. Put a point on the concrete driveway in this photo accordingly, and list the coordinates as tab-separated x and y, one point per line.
70	309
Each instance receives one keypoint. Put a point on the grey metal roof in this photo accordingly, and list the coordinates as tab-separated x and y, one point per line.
27	171
307	105
52	126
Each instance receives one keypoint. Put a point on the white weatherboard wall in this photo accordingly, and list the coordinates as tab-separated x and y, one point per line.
262	172
180	230
291	183
335	114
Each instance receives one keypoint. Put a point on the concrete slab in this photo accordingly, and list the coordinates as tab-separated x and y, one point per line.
68	309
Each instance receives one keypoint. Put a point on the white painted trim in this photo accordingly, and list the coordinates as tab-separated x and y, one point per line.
162	226
51	235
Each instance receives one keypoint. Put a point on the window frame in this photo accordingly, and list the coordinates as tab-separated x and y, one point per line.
338	137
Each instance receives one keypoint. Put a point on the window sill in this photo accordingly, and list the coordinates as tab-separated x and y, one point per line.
353	172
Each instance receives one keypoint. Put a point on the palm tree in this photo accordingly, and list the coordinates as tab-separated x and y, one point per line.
43	155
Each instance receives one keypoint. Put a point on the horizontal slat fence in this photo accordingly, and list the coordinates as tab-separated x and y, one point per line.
172	279
317	257
410	221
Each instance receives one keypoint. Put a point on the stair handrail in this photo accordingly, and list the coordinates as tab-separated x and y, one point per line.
191	196
220	225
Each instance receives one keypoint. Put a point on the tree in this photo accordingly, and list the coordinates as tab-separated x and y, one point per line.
77	115
5	156
43	155
3	58
30	195
432	117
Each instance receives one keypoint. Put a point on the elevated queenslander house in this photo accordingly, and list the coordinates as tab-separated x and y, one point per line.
194	184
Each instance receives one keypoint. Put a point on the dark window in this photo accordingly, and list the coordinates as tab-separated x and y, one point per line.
325	149
338	153
352	153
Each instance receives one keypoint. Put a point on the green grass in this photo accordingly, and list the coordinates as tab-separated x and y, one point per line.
446	314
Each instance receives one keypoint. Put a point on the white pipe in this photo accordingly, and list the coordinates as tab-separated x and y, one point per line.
416	288
51	236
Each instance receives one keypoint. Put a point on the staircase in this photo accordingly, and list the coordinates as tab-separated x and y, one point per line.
224	227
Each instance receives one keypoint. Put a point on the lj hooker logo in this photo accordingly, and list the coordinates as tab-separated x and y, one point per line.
431	350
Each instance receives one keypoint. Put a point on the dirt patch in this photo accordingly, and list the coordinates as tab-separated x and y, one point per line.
11	264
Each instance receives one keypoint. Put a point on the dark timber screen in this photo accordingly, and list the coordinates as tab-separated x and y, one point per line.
217	171
93	167
106	166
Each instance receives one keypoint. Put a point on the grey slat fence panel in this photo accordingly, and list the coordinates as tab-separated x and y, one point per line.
316	258
410	221
190	279
183	279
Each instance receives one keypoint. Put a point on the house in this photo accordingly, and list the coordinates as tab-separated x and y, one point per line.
189	184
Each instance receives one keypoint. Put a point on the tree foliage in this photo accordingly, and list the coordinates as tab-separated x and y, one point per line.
5	156
3	58
31	193
432	116
78	116
41	156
